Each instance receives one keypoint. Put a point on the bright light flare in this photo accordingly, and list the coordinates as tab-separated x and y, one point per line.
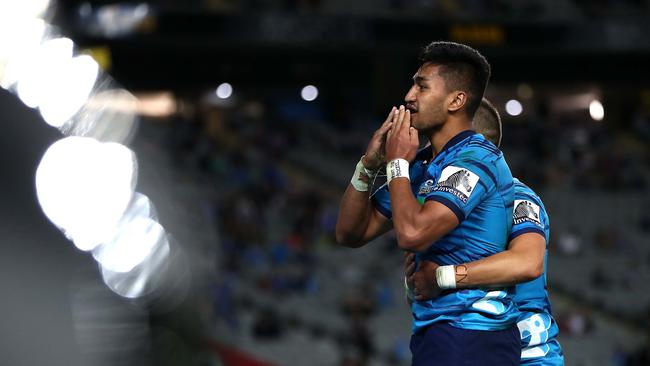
18	41
51	79
596	110
514	107
108	116
40	69
141	206
162	104
85	186
139	281
224	91
135	240
141	10
23	9
309	93
69	90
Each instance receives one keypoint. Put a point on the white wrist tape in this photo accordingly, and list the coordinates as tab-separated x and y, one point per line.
362	177
446	277
397	168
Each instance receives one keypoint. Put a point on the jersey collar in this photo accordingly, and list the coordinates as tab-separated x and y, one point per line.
457	139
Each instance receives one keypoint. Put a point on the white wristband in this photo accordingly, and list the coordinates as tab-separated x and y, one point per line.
362	177
446	277
397	168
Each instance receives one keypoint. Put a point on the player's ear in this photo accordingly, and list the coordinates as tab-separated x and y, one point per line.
458	99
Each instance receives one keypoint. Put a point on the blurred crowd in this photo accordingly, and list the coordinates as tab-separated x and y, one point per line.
572	152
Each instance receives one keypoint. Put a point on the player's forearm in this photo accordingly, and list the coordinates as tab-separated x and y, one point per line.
412	233
353	219
502	269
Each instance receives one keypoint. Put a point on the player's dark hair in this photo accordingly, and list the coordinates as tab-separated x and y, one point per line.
487	122
462	68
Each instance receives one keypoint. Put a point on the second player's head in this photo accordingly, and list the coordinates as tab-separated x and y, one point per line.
487	122
451	80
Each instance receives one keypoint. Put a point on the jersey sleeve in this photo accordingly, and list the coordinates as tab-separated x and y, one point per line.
463	185
381	201
528	216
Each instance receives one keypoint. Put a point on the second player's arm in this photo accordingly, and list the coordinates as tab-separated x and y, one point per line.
522	262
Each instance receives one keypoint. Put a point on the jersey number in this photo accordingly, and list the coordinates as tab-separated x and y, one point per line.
536	328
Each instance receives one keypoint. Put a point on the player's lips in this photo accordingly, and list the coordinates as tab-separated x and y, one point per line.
412	109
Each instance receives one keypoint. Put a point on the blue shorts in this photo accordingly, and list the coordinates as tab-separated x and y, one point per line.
442	344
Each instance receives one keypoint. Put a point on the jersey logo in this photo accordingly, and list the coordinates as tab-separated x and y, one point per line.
426	187
457	181
526	211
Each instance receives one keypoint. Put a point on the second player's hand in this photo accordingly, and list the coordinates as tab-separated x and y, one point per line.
376	151
409	269
425	285
402	140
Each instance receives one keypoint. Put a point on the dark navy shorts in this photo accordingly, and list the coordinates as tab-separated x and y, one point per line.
442	344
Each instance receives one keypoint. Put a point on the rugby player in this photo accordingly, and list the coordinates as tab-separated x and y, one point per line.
451	203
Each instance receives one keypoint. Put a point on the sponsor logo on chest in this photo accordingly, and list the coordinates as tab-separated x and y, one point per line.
459	182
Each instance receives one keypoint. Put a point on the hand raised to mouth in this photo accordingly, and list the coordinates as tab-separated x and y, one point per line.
402	140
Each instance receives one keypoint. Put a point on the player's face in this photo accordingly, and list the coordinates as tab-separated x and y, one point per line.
427	98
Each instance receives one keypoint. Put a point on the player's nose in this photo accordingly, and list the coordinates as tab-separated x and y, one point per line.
409	98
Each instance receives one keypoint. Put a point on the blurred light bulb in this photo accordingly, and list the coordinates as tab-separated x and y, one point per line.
596	110
309	93
224	91
514	108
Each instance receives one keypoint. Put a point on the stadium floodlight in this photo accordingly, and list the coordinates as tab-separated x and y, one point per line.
84	187
514	107
224	91
596	110
309	93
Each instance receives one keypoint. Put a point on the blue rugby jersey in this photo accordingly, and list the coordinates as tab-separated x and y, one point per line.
472	178
536	325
